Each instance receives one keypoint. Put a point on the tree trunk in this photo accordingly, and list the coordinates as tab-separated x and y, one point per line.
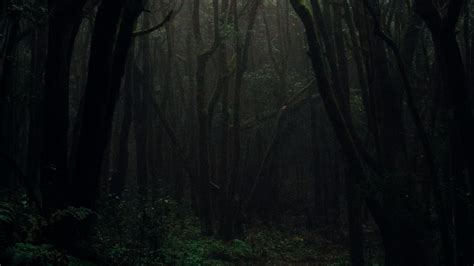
142	95
95	122
448	57
106	68
118	180
232	223
63	27
205	208
415	251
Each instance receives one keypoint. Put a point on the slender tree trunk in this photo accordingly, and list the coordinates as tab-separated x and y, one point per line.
141	112
231	225
353	198
316	165
39	44
118	180
408	251
203	120
8	88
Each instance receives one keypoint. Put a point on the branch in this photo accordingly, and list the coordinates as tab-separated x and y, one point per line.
269	46
217	92
429	156
174	140
276	130
454	10
429	13
293	105
154	28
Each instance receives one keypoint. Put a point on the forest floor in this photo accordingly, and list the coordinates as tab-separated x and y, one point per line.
261	246
163	236
278	245
184	245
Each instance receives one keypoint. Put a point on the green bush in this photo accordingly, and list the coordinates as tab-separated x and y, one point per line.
27	254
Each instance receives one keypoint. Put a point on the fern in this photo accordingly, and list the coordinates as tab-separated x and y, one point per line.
78	214
6	213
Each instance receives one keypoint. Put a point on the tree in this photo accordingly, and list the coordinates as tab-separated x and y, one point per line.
449	59
232	222
392	230
63	26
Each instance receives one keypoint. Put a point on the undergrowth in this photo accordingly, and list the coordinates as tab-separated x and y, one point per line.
163	233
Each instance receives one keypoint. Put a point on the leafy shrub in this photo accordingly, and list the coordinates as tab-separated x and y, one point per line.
6	212
26	254
78	214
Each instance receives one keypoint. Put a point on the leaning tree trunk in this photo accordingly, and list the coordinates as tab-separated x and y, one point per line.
93	133
408	251
111	41
106	68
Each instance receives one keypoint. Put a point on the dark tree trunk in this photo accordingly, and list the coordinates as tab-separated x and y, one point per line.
106	68
449	59
8	70
38	56
63	27
205	204
316	166
118	180
142	95
8	58
412	250
232	222
388	108
224	82
96	124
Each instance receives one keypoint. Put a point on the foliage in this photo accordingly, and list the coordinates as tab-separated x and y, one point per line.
29	254
32	11
166	234
131	233
6	212
185	245
78	214
162	232
22	227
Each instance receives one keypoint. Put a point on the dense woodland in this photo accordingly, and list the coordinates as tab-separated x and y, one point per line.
215	132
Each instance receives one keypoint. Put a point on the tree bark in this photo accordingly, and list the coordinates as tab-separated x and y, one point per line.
406	252
232	222
448	56
118	180
205	210
106	67
63	27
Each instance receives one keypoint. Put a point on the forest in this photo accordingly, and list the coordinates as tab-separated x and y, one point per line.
237	132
